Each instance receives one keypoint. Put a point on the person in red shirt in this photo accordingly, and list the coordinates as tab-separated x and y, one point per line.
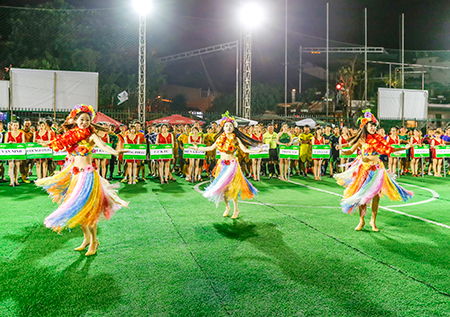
393	139
437	162
41	135
14	136
415	140
256	163
132	138
104	136
164	165
141	136
194	170
317	140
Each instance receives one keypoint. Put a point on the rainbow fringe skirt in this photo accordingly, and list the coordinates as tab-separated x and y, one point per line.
83	197
229	183
364	181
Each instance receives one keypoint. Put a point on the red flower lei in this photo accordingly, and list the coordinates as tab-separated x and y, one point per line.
226	145
69	139
377	142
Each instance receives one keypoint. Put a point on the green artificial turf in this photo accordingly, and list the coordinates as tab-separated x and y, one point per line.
292	252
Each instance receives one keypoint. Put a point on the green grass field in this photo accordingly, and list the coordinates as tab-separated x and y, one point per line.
292	252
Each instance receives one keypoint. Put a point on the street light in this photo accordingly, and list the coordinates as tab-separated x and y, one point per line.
142	7
251	15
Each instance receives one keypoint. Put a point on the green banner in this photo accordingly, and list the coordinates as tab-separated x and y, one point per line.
13	151
442	151
60	155
263	154
354	155
191	153
100	154
162	151
421	150
400	153
321	151
37	151
290	152
135	151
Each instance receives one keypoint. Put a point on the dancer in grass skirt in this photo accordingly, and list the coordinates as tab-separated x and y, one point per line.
82	194
366	178
230	183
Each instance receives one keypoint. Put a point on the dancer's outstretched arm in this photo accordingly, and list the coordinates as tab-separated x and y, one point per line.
245	150
206	148
106	148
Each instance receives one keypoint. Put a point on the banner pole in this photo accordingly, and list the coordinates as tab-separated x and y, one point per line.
289	169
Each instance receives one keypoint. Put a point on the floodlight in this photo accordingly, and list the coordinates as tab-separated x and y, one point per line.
142	6
251	15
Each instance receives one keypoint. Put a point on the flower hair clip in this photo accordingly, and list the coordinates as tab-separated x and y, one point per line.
227	118
368	117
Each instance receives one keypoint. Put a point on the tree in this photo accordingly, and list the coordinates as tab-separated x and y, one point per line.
103	41
223	102
265	97
179	103
349	76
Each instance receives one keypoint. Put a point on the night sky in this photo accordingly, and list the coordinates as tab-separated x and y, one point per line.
177	26
427	23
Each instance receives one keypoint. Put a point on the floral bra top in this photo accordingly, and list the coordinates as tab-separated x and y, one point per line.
367	150
82	148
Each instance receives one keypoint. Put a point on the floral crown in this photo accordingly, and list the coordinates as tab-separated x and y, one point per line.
227	118
368	117
82	108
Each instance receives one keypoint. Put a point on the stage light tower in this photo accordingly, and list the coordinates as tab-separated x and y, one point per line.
142	7
251	16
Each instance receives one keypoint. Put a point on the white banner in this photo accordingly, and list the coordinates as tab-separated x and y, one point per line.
265	148
321	152
156	152
193	152
39	150
289	152
425	151
4	152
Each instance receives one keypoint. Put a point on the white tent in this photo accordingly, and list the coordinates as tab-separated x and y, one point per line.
242	121
309	121
312	123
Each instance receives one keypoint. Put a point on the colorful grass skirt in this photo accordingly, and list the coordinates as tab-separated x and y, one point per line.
83	197
364	181
229	183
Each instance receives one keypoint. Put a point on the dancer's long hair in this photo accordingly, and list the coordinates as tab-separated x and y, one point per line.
246	140
70	125
361	134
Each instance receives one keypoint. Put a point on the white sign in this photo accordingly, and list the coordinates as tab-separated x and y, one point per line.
12	151
425	151
265	148
321	152
192	151
39	150
154	152
440	151
289	152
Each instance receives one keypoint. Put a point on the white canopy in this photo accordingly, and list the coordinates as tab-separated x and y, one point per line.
242	121
309	121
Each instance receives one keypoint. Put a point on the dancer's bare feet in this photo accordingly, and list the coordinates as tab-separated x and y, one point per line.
374	226
93	248
360	226
227	212
235	214
83	245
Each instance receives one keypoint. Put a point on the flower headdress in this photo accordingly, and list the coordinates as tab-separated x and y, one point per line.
83	108
368	117
227	118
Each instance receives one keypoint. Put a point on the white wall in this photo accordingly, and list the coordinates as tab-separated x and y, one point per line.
35	89
4	94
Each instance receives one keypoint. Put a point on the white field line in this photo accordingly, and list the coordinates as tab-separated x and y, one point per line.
388	208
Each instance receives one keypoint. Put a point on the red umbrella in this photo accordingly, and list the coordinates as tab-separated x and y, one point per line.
101	117
175	119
